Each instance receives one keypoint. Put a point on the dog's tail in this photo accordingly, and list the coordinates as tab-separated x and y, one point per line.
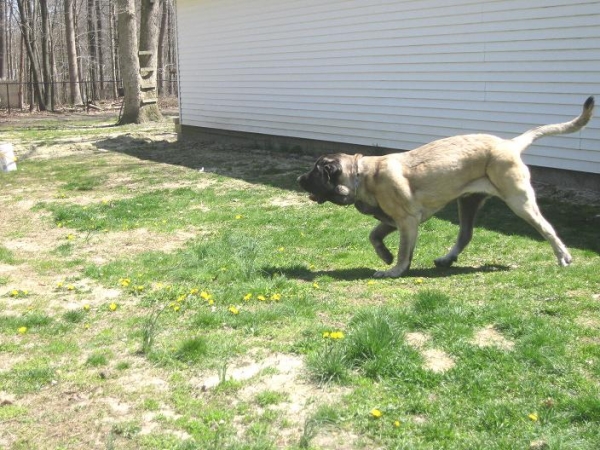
527	138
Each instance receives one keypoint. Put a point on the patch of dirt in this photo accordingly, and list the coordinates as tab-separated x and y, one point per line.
435	360
284	374
490	337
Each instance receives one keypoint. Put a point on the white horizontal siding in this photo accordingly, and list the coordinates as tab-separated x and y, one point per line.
394	74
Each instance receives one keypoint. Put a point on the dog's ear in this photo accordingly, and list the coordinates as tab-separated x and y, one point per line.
332	169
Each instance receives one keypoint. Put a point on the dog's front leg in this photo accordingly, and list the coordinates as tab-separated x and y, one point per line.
377	236
408	239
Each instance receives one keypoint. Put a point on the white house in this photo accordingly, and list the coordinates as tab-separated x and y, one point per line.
392	73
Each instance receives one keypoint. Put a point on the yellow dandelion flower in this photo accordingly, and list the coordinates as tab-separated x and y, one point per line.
315	285
533	417
25	292
281	249
248	296
113	306
326	334
125	282
70	237
233	310
238	216
86	307
396	423
70	287
370	282
205	295
419	281
139	288
262	298
176	308
14	293
276	297
60	284
194	291
376	413
211	301
22	330
104	201
336	335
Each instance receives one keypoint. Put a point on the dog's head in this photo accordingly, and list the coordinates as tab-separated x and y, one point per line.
331	179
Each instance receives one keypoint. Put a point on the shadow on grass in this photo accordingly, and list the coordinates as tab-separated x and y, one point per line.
577	225
360	273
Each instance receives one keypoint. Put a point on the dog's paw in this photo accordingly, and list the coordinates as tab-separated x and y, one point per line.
385	255
445	261
392	273
565	260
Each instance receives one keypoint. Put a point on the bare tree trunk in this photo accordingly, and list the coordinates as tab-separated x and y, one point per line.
148	53
46	69
26	27
72	54
99	42
113	52
91	32
130	64
2	39
162	72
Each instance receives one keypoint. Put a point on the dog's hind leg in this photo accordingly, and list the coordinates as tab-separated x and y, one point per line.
468	206
524	205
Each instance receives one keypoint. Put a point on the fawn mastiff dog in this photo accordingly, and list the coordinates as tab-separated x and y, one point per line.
402	190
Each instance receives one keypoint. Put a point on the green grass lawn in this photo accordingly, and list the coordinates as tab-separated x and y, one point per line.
157	294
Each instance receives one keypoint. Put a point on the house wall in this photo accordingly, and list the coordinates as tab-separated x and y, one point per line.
393	74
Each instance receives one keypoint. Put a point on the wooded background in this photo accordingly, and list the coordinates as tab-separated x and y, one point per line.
56	53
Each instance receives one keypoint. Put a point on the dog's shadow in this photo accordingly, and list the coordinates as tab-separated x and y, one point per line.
362	273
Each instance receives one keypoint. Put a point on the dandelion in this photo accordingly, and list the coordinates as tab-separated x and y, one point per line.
70	287
194	291
22	330
211	302
370	283
276	297
248	296
181	298
60	284
176	308
315	285
205	295
233	310
533	417
113	306
326	334
125	282
261	297
336	335
104	201
86	307
419	281
238	216
396	423
139	288
14	293
281	249
70	237
376	413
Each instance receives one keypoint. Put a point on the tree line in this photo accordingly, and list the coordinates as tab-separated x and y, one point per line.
71	52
